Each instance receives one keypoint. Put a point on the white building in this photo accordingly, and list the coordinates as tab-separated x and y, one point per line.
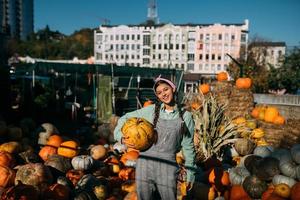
268	53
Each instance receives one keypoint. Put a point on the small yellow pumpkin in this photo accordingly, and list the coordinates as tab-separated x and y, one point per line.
68	149
282	190
257	133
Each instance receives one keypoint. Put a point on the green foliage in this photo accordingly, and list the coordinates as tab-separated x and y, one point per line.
287	76
47	44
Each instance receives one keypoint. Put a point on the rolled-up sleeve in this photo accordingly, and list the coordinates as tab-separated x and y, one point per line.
146	113
188	147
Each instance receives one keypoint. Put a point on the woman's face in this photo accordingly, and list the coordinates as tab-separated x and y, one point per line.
164	93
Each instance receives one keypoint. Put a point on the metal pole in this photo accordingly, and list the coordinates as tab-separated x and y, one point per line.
113	88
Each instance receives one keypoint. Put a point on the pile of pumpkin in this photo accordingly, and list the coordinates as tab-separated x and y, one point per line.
59	167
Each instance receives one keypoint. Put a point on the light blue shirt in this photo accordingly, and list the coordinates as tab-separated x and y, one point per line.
187	142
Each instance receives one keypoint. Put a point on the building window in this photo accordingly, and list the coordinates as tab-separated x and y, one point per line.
159	46
279	53
201	36
132	47
219	57
165	46
146	51
200	67
177	46
159	56
146	40
206	67
127	37
206	56
117	37
122	37
171	46
132	56
182	46
153	46
233	37
190	66
127	46
138	37
213	67
138	46
191	57
243	37
200	56
176	66
226	37
182	66
153	56
220	36
111	37
132	37
213	56
219	67
207	37
200	46
146	61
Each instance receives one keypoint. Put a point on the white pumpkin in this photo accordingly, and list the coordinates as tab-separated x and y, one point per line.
237	175
295	151
277	179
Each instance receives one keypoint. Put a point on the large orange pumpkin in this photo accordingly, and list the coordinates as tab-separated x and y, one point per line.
222	76
55	141
243	83
219	178
270	114
279	120
255	112
47	151
237	192
138	133
295	191
7	176
68	149
6	159
130	155
204	88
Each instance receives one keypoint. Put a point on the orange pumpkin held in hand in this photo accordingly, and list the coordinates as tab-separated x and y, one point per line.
138	133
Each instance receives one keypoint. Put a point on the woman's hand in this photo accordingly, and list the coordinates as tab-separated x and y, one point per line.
126	142
189	186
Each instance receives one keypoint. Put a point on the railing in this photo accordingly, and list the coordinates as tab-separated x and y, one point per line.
288	100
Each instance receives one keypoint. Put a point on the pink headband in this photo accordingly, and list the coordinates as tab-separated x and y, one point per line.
159	78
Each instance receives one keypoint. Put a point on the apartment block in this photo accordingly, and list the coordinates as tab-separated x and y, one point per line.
16	17
268	53
194	48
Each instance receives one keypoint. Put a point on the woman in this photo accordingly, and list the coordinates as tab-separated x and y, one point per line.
156	168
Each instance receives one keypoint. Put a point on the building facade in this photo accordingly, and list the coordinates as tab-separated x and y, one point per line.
268	53
17	18
198	49
194	48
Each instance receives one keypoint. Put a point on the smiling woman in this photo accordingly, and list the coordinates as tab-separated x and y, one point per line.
174	131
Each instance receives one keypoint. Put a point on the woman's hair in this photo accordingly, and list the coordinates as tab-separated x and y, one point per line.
158	104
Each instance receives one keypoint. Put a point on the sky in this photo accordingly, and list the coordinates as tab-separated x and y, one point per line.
273	20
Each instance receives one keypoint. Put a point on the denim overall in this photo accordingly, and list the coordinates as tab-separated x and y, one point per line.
156	168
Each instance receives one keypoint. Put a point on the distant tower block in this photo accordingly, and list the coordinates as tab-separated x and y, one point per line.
152	11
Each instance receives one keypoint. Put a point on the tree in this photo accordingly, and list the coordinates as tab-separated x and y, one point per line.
288	76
